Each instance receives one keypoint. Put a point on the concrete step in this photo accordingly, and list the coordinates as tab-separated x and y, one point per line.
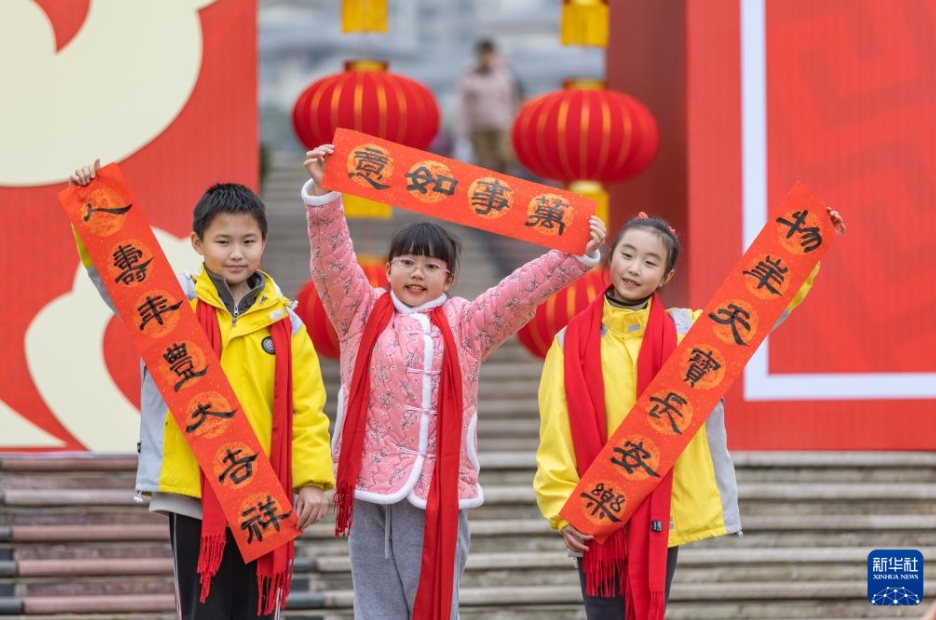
803	501
755	599
695	566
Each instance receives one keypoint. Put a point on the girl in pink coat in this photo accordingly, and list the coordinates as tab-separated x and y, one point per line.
405	439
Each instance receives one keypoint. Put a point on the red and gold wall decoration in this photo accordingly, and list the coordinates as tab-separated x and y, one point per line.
181	116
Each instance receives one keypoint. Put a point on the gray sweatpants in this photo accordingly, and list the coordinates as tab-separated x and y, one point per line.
386	553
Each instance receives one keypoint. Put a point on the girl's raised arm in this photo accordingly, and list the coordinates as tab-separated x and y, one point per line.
346	293
503	309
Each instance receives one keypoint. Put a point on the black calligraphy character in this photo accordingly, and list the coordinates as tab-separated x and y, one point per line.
240	469
701	363
127	258
153	309
494	196
767	272
181	364
733	316
632	457
548	215
261	517
669	407
604	501
369	165
201	414
421	178
809	236
92	210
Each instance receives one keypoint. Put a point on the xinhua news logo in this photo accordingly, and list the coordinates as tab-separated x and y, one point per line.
895	577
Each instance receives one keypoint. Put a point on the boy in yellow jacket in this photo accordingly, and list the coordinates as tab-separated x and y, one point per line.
246	311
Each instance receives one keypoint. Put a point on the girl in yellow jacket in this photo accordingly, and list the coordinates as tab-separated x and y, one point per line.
704	501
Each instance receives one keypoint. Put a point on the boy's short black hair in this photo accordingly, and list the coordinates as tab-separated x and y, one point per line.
426	239
227	198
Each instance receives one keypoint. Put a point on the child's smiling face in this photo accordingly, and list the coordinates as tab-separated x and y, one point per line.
416	280
232	246
638	265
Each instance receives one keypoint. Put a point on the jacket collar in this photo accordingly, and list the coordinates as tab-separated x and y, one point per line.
402	308
257	283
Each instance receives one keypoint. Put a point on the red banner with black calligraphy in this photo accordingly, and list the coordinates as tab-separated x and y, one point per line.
701	369
391	173
160	321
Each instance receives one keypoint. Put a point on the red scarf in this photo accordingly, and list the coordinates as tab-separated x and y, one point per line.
637	560
274	570
440	533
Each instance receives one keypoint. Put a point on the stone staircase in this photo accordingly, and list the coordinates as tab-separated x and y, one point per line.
74	545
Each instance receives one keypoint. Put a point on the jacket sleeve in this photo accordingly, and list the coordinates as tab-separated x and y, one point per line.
794	303
556	473
799	297
499	312
93	272
311	453
341	283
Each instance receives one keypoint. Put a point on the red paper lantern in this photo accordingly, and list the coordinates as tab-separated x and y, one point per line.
368	98
310	310
556	312
585	133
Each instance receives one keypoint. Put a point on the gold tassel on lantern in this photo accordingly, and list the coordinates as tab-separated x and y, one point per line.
584	22
364	15
596	191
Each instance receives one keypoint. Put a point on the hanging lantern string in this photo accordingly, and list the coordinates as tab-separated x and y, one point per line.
584	22
364	16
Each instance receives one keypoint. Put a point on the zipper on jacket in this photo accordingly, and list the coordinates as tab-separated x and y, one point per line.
234	315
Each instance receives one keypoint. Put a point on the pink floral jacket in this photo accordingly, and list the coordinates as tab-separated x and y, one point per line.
400	443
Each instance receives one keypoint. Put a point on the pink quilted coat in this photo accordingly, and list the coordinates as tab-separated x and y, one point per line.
400	443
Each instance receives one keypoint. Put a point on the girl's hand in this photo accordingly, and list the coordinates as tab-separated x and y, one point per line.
315	164
574	539
598	233
311	506
85	174
837	222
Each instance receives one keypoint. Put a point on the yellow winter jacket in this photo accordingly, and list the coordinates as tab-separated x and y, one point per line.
166	464
705	493
250	369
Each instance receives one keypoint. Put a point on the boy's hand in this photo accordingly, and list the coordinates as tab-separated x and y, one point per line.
315	164
837	222
85	174
311	506
597	237
575	540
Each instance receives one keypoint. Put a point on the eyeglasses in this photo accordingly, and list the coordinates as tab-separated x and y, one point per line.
409	265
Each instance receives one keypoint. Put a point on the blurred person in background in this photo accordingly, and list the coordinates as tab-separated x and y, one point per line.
489	96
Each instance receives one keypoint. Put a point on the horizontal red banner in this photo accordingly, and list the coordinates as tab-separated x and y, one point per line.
404	177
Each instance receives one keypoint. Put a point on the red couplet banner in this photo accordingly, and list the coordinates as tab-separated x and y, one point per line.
704	365
451	190
160	322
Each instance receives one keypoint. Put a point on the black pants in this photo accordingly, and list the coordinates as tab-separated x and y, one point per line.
234	592
600	608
